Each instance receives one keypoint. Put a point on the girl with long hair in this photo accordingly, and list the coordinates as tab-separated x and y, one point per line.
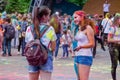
40	21
85	41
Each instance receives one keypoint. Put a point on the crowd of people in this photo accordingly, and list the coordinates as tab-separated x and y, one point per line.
78	35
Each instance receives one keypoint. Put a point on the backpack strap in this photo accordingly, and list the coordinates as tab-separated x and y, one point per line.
105	26
44	30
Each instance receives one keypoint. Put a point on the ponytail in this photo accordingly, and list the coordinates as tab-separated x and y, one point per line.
36	21
38	13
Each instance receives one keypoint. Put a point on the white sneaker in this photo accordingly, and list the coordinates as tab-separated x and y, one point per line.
18	53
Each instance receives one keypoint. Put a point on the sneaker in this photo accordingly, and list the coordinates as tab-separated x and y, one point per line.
103	48
55	58
63	57
9	55
23	54
18	53
3	54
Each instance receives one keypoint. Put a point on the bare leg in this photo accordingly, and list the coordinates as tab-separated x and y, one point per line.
34	76
83	72
45	75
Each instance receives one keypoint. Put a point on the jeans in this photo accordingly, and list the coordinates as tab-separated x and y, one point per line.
84	60
99	41
65	50
7	43
46	67
20	43
23	45
57	44
15	42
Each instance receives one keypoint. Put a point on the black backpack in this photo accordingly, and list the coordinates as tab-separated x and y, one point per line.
36	53
10	32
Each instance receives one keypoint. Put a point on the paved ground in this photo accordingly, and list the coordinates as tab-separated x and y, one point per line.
15	67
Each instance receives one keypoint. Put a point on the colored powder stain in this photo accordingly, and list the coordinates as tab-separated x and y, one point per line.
103	69
49	34
26	67
59	64
71	64
4	61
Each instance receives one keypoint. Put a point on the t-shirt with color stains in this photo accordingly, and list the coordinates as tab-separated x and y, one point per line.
116	32
48	36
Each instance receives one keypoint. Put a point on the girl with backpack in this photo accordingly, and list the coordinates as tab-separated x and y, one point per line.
114	45
40	21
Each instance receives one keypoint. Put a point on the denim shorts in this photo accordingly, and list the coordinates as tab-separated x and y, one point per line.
48	67
85	60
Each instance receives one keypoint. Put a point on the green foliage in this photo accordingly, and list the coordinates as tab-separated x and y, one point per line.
78	2
2	5
20	6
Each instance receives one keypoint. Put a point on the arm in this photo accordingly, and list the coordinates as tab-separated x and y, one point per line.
53	45
53	38
111	40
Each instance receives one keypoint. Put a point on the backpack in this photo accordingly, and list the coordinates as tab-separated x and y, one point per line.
10	32
36	53
97	30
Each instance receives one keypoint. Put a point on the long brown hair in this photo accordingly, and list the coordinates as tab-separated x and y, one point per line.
86	21
54	21
39	12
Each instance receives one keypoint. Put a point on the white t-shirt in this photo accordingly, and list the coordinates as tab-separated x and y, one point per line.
106	7
48	36
64	40
106	23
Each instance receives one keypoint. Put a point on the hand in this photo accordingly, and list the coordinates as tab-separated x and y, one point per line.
99	37
77	49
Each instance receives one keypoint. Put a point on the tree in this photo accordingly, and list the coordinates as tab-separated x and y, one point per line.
2	5
78	2
20	6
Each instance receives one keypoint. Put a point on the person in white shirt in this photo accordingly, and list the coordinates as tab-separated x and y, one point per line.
106	23
106	6
65	42
85	41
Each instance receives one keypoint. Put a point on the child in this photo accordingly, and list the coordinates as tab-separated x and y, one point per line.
65	42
